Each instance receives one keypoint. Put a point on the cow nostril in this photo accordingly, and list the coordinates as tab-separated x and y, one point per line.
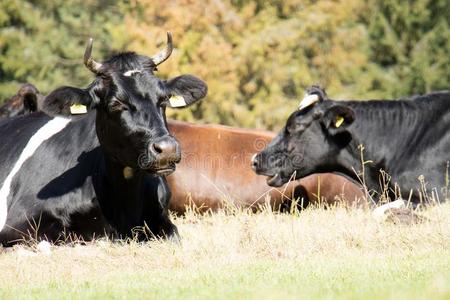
157	148
165	149
254	161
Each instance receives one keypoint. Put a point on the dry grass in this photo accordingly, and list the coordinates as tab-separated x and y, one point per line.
338	253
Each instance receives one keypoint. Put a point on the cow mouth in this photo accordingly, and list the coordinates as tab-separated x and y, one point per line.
165	171
274	180
160	168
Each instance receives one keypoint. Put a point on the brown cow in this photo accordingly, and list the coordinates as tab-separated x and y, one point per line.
27	100
215	171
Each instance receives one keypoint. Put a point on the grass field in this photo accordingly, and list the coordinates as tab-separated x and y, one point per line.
315	254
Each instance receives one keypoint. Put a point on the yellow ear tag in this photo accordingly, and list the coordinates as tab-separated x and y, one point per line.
177	101
78	109
339	121
128	173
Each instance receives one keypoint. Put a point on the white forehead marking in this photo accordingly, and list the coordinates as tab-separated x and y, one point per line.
44	133
308	101
131	72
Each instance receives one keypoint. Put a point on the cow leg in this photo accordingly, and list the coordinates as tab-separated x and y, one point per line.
156	214
299	198
41	226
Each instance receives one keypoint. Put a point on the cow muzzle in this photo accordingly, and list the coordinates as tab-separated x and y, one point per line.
273	178
161	156
163	153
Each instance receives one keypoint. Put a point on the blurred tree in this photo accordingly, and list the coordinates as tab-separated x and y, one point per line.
42	42
205	33
410	41
256	56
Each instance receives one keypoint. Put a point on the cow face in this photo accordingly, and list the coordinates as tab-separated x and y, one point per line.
309	142
130	102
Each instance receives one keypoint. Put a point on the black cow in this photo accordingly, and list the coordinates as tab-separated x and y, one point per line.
405	144
27	100
99	173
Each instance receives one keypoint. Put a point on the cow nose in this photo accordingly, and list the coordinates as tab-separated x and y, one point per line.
255	161
165	150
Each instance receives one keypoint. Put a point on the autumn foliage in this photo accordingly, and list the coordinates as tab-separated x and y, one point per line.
256	56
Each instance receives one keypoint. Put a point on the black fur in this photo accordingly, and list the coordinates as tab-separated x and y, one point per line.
74	183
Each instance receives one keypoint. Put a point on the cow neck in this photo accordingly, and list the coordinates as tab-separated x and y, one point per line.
120	197
120	203
385	130
124	197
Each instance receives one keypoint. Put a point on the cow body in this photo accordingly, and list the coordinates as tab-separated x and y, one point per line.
98	173
405	145
76	188
215	172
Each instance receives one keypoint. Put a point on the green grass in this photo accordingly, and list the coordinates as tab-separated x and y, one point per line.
317	254
413	277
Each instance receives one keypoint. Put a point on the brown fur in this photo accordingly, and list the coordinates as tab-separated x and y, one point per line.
215	168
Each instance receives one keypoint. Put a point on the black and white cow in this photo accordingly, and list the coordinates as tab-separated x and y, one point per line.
406	144
98	173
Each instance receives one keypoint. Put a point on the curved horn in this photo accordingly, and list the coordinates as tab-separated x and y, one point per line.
308	101
89	62
165	53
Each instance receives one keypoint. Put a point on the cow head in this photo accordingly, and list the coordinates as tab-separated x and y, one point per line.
311	139
130	103
27	100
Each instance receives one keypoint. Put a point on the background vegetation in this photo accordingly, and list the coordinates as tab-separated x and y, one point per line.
336	253
256	56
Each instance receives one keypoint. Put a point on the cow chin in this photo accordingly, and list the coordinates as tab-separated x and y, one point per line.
155	168
165	171
275	180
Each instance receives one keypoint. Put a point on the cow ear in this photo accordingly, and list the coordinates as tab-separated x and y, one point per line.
337	118
63	100
30	102
185	90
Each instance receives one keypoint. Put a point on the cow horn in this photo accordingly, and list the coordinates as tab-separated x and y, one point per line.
308	101
165	53
89	62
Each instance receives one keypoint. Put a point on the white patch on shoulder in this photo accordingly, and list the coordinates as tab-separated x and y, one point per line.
131	72
308	101
44	133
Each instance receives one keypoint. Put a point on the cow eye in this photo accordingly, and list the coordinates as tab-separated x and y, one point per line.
296	127
300	127
287	130
117	106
